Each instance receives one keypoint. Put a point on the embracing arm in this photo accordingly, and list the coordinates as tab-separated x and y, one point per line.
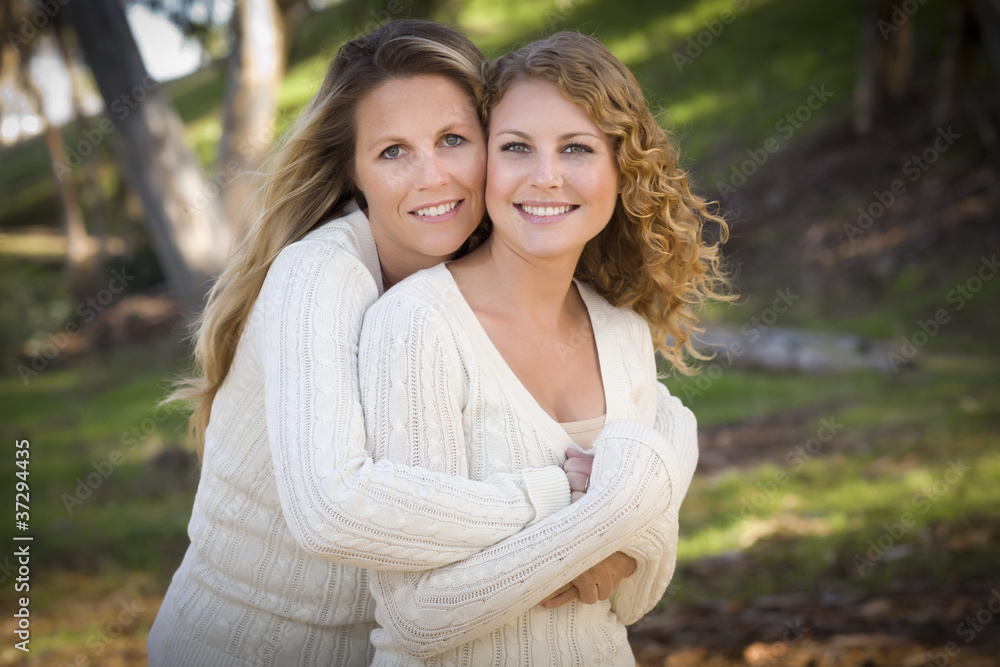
431	611
338	503
655	549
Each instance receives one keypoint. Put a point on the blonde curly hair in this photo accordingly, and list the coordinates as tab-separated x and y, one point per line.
651	256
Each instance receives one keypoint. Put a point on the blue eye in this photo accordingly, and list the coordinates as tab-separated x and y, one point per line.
453	140
391	153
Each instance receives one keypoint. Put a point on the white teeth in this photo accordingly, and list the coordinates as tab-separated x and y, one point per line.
543	211
437	210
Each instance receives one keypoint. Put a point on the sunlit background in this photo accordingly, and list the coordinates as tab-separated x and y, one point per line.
846	508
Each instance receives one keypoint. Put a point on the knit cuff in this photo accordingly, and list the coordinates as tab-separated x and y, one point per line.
637	432
548	490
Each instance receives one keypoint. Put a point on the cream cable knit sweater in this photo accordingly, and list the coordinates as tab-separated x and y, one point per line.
438	394
289	505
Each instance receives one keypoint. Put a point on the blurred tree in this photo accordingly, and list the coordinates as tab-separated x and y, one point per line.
19	51
255	69
10	57
886	63
187	227
98	213
258	50
885	66
986	15
79	261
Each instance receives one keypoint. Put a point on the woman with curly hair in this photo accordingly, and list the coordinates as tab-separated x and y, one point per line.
548	328
381	175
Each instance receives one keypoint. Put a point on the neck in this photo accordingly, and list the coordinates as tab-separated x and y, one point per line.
397	264
537	288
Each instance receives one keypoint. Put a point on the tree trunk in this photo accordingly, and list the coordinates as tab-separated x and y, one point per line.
988	18
78	256
256	68
186	225
98	212
866	86
885	64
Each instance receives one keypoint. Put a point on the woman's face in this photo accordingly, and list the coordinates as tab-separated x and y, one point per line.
552	180
420	160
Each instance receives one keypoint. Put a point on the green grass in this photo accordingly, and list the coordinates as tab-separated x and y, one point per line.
914	457
95	431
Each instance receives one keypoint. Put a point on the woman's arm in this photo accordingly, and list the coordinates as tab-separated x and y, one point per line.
644	568
429	612
655	548
338	503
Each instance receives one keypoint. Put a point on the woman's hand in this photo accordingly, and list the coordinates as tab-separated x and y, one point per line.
597	583
577	468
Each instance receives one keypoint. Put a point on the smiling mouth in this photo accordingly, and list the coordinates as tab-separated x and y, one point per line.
440	209
546	211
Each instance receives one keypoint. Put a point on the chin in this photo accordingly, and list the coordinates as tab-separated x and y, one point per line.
444	248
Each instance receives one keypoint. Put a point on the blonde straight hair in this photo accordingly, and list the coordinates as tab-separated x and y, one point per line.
309	180
651	256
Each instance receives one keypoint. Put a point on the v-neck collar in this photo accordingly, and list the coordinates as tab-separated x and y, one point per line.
552	432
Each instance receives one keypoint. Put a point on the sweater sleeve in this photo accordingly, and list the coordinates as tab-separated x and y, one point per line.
428	612
655	549
337	502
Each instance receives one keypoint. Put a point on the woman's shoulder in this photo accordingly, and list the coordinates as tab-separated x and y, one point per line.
426	300
604	313
428	287
348	233
339	246
327	269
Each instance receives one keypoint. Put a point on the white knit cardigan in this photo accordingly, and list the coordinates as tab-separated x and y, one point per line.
438	394
289	505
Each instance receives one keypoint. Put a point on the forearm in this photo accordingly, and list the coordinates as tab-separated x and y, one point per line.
655	549
436	610
655	554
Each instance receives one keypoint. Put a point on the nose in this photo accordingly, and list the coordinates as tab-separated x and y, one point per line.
547	172
432	172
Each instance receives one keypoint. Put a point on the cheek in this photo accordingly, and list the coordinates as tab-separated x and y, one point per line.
501	179
470	170
385	188
495	191
606	186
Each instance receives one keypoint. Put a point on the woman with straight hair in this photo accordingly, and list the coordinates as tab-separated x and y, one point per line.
380	176
547	329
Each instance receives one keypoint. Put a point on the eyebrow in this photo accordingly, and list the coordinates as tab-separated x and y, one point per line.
561	137
451	128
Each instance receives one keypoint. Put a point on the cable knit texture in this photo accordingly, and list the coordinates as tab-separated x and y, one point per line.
438	394
289	504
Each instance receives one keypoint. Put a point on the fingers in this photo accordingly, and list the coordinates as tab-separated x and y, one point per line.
580	466
577	483
624	564
577	468
565	595
575	495
579	461
591	593
599	582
